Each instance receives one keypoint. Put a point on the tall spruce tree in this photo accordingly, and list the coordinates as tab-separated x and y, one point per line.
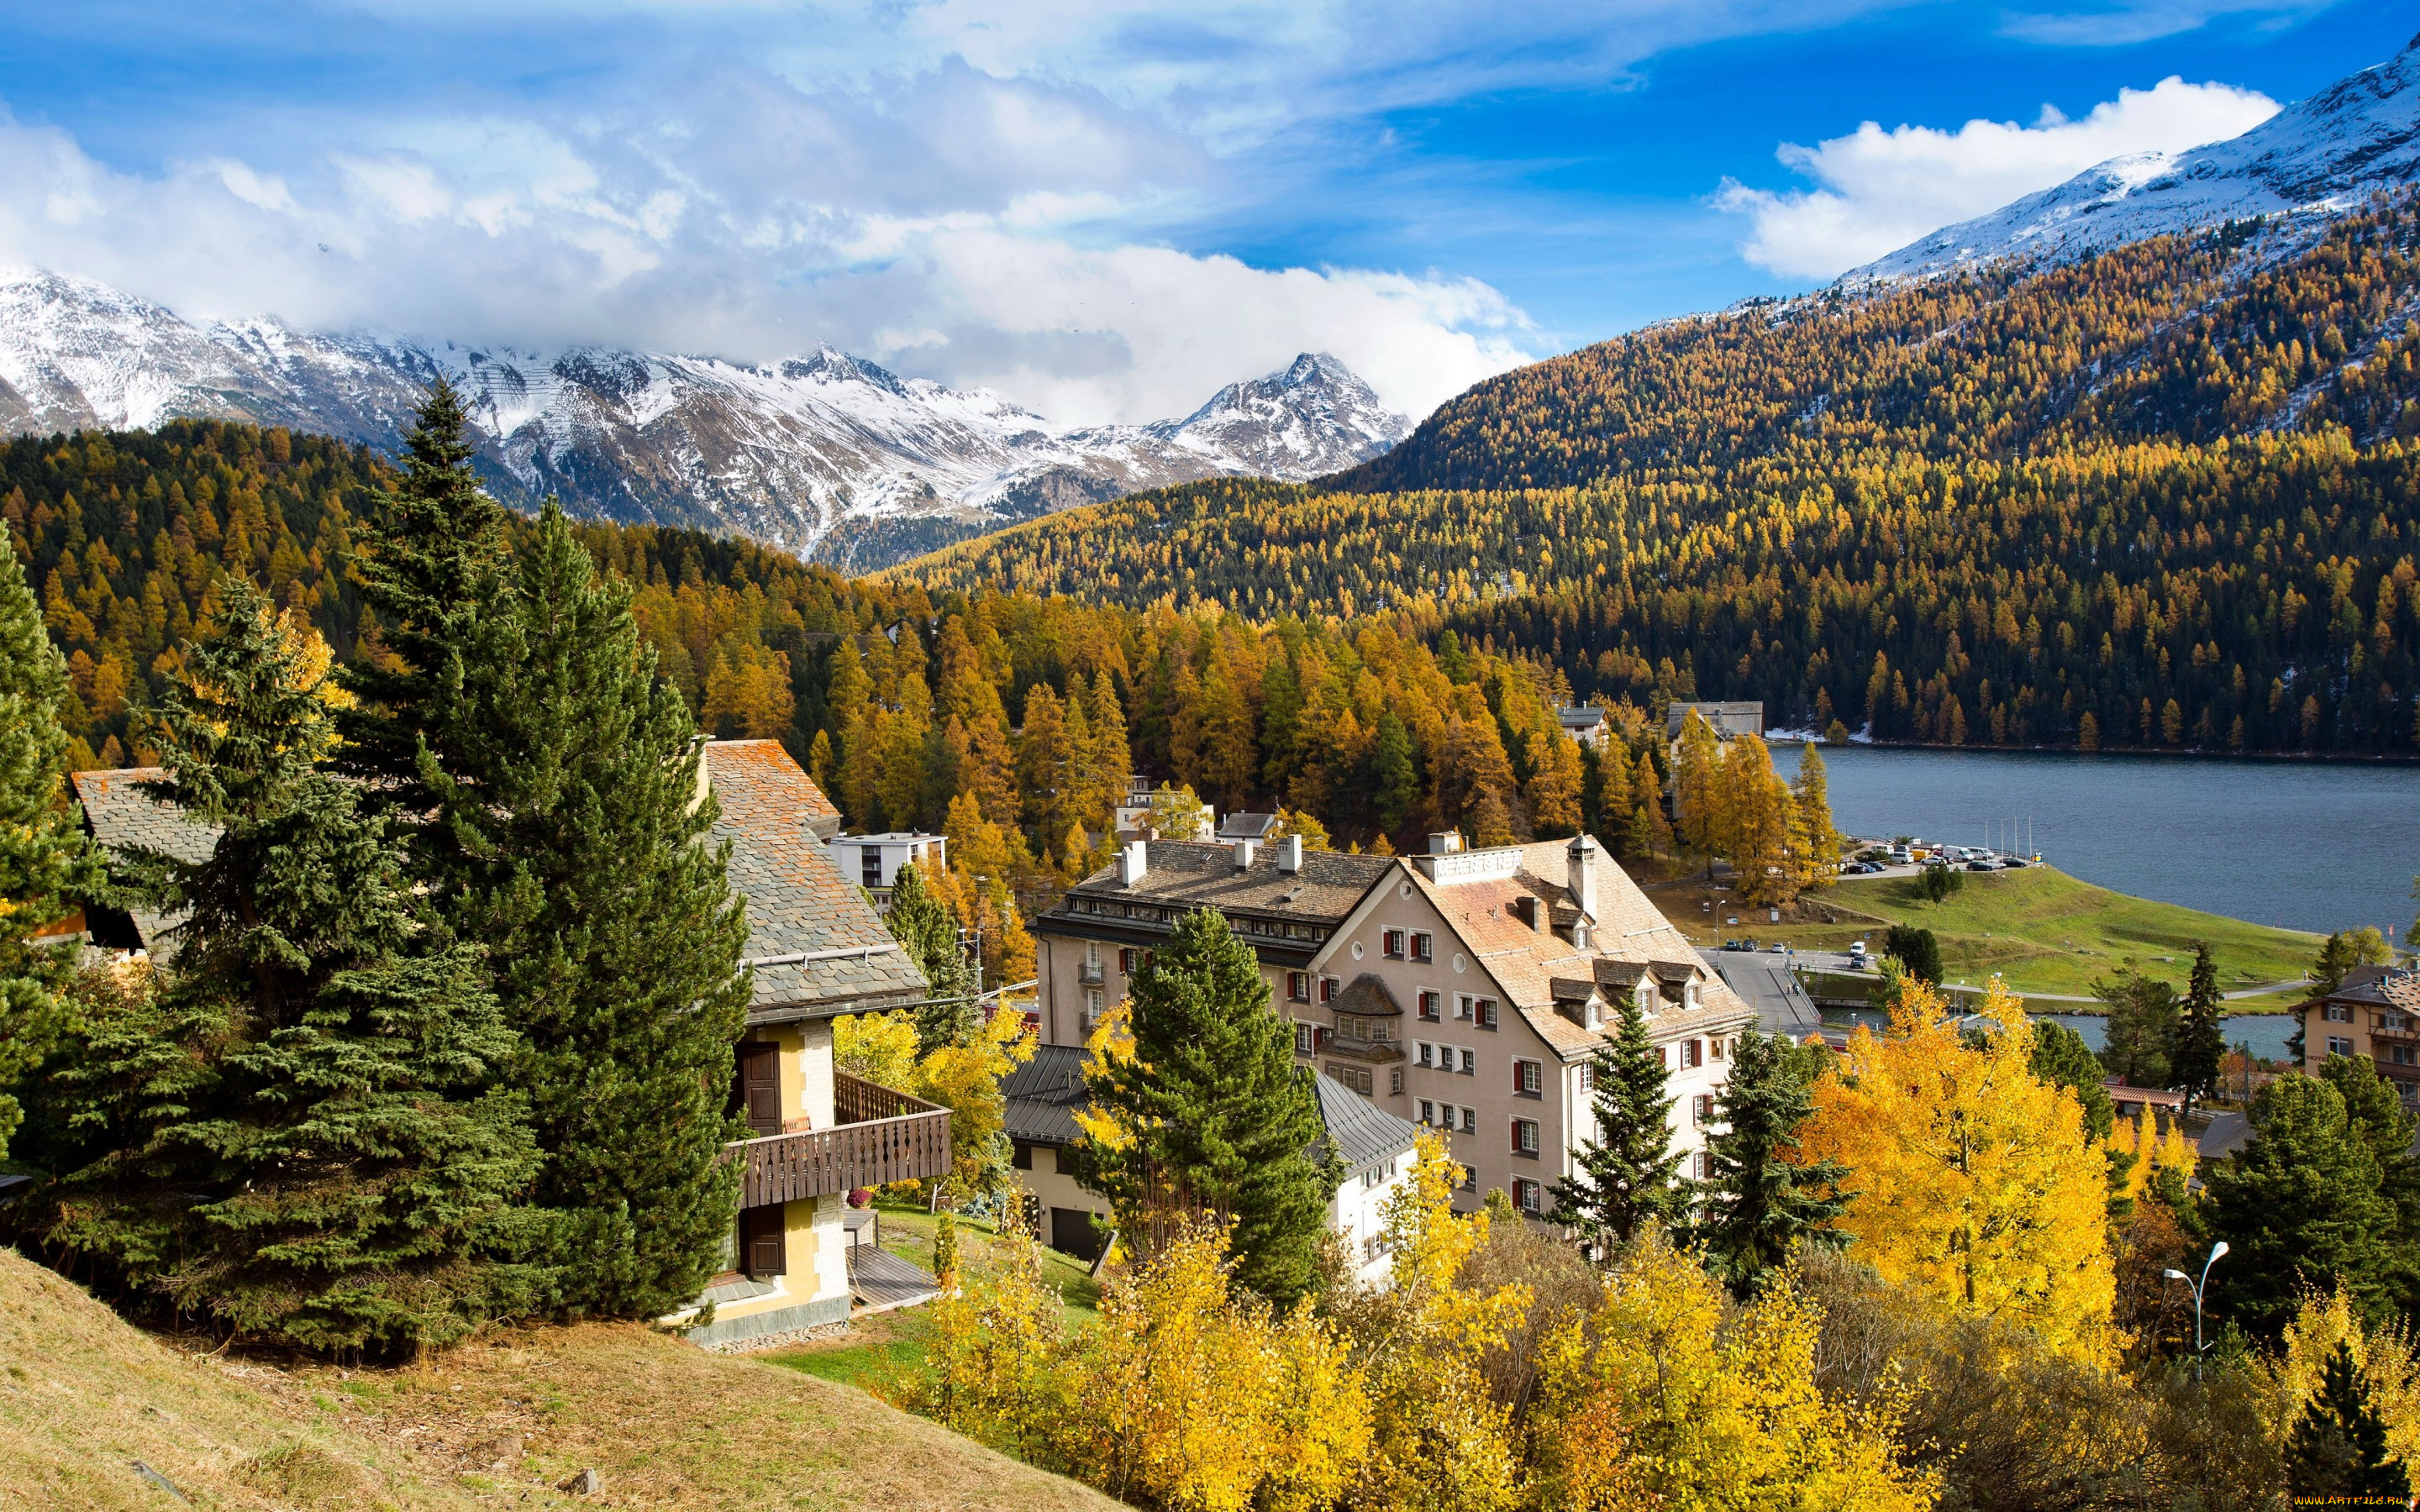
2201	1039
575	853
1757	1204
2302	1205
302	1139
2337	1447
1222	1119
1632	1172
44	859
949	1015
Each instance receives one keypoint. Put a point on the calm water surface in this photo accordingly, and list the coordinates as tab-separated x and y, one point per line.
2307	845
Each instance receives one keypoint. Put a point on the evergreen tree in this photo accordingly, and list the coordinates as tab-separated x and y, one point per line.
2302	1206
1917	951
2141	1030
2062	1059
2201	1040
2338	1445
1215	1115
920	921
1395	778
1632	1172
303	1140
580	862
1758	1203
44	859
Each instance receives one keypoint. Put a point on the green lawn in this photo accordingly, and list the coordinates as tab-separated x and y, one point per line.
2049	933
887	1345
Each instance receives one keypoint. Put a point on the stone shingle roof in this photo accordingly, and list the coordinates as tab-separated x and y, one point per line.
122	817
1366	993
799	903
2376	986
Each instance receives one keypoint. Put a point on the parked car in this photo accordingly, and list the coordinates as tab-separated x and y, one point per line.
2016	861
1979	864
1857	953
1778	949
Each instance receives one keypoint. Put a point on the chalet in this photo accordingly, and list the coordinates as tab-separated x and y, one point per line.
1462	990
818	952
1043	1095
2374	1013
1585	723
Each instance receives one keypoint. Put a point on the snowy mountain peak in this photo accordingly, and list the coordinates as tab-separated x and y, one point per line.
2323	155
824	452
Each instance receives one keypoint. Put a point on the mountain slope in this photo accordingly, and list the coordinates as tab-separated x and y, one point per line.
823	454
2324	154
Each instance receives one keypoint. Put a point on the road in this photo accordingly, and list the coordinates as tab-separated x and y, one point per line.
1763	978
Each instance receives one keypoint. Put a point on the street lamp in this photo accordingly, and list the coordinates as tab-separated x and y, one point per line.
2198	1287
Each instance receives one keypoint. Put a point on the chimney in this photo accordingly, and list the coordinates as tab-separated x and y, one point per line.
1581	858
1525	910
1133	859
1244	848
1290	854
1446	843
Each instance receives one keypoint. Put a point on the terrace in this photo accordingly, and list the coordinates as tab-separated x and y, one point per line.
881	1136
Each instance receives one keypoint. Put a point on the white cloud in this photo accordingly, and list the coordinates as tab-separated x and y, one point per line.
1882	189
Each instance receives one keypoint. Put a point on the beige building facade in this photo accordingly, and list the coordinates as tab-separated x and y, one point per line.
1462	990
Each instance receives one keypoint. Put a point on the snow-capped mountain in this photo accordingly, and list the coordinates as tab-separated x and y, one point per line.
826	455
2324	154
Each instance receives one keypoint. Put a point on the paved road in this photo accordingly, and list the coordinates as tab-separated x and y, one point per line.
1762	977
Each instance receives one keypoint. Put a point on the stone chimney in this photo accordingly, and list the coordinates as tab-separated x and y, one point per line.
1244	850
1580	856
1290	854
1133	859
1446	843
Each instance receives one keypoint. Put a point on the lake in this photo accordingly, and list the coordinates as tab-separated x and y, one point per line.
2309	845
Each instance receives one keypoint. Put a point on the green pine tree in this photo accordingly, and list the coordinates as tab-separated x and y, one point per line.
2201	1039
2063	1060
2338	1445
44	859
2302	1205
575	856
1224	1122
2140	1032
1757	1204
1395	785
302	1139
949	1014
1631	1173
1916	949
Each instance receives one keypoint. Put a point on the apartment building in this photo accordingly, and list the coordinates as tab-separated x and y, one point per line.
1462	990
2374	1013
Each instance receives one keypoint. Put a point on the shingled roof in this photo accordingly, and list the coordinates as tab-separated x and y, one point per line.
818	947
122	818
1180	876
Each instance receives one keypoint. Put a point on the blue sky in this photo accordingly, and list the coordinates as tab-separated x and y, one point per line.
1104	211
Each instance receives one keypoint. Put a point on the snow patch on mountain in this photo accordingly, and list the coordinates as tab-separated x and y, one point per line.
825	454
2325	155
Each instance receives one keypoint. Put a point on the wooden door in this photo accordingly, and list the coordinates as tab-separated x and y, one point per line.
756	1089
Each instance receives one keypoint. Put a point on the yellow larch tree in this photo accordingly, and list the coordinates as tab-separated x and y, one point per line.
1973	1179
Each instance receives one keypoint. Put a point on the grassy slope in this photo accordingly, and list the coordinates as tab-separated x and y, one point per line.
496	1423
2048	932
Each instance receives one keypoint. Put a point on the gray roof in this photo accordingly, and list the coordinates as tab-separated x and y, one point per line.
1247	826
1363	1133
1181	875
1043	1096
122	817
799	903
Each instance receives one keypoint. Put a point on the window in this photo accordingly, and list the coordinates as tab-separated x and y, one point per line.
1714	1046
1470	1120
1528	1079
1373	1246
1375	1177
2403	1054
1484	1011
1420	946
869	866
1356	1077
1527	1195
1470	1178
1525	1138
1298	986
1588	1076
1020	1156
1091	1006
1461	1007
1698	1166
1428	1111
1391	945
1432	1006
1301	1038
1701	1108
1395	1081
1446	1118
1091	952
2338	1012
1693	1054
1664	1057
1327	988
1130	962
2339	1046
1470	1063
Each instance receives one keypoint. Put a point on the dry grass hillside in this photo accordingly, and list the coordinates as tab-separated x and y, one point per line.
500	1423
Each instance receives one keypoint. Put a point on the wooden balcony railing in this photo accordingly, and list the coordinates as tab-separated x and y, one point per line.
883	1135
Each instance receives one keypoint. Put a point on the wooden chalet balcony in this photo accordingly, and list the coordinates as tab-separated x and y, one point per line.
882	1136
2404	1031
